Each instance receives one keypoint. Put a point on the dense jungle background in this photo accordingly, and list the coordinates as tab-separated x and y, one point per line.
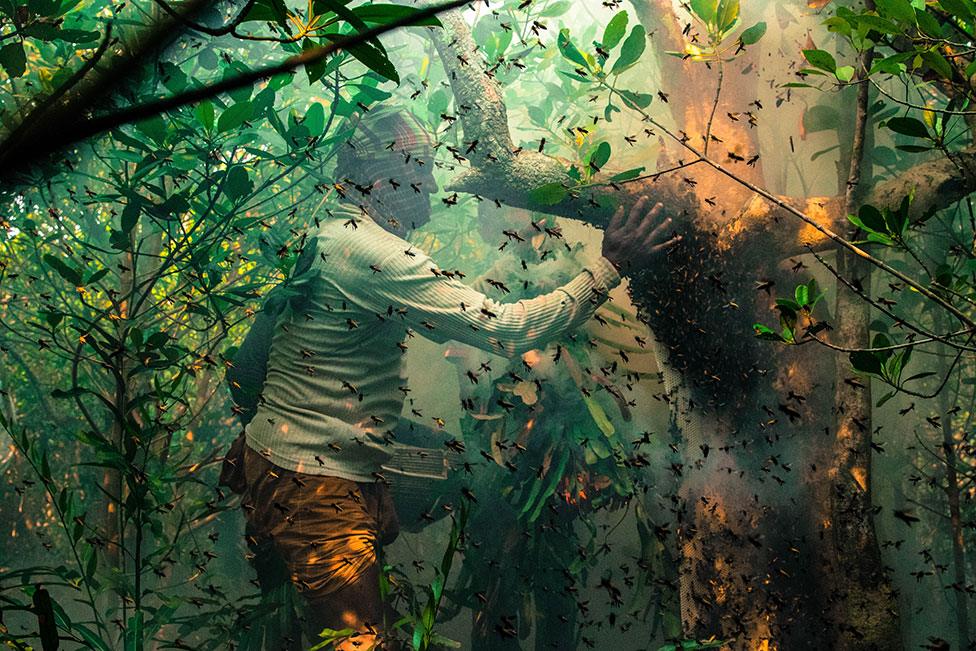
764	442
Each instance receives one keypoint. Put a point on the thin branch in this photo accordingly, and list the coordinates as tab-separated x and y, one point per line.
881	308
916	106
882	349
718	96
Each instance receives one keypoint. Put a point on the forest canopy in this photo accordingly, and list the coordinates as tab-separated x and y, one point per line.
760	441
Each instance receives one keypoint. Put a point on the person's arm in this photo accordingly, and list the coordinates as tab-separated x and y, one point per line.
442	308
389	276
246	377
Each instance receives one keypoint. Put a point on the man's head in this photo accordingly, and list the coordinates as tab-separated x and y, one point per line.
389	162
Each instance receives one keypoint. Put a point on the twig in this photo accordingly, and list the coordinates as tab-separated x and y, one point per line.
718	95
881	349
916	106
881	308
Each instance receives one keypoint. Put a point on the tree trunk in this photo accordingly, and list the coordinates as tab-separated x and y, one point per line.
952	493
863	605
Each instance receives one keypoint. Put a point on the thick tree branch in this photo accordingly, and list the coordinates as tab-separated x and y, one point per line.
477	94
937	184
499	171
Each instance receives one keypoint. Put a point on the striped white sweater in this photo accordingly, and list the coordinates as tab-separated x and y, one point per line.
335	385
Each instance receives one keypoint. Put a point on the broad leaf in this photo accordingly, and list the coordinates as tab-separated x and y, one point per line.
752	35
631	50
615	30
821	59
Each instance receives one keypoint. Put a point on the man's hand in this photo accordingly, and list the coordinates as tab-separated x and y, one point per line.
632	241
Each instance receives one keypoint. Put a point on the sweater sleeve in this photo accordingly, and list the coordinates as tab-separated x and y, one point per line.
442	308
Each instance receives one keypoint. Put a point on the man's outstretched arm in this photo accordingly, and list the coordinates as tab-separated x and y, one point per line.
442	308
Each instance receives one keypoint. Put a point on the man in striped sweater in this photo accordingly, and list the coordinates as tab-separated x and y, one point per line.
335	386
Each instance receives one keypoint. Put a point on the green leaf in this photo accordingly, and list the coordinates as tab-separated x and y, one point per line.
929	24
892	65
78	36
898	9
938	63
765	332
821	59
13	59
913	149
908	127
600	155
315	119
552	483
615	30
238	183
920	376
42	31
845	73
631	50
727	15
878	24
881	340
67	393
42	7
865	362
752	35
549	194
963	9
387	13
234	116
838	25
153	128
869	219
207	59
628	174
92	640
318	69
67	272
885	398
802	295
636	100
371	57
130	214
705	10
134	638
204	113
274	11
437	586
569	50
599	416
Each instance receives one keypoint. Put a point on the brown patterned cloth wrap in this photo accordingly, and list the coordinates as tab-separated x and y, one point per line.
327	530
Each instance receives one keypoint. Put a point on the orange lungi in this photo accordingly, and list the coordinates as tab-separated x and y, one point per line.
328	531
